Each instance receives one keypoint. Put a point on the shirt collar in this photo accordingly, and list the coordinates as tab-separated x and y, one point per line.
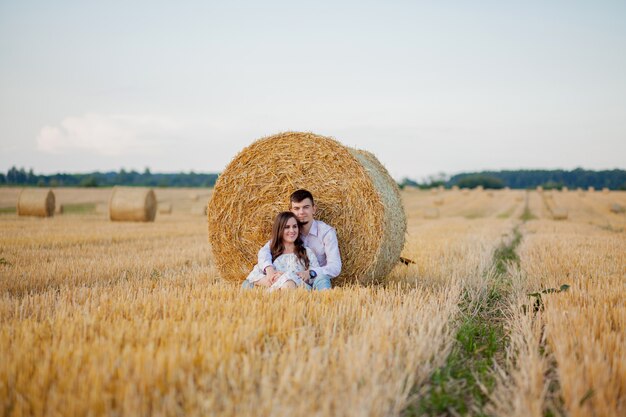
313	229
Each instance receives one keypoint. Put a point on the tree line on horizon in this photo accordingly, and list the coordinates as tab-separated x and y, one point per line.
520	179
554	179
21	177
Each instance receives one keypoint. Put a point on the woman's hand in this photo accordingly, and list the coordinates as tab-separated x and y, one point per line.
273	276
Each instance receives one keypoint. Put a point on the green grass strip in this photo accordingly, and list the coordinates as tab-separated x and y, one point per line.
79	208
462	385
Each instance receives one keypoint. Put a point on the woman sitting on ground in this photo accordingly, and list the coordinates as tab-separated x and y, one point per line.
289	256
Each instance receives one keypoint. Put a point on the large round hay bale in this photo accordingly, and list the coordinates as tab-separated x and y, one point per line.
35	202
353	192
132	204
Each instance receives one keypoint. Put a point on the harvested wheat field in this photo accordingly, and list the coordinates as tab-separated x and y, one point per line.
133	319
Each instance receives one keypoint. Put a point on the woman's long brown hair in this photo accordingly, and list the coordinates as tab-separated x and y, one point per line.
276	244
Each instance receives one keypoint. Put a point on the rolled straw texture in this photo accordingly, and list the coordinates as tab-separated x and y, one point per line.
353	193
35	202
132	204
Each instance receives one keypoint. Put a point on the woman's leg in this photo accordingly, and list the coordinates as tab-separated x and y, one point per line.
288	285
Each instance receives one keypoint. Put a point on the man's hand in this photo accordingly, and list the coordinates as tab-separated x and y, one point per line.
305	276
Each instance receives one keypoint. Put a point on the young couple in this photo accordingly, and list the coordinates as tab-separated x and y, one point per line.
303	252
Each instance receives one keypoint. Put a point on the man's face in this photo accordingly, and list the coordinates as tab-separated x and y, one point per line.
304	210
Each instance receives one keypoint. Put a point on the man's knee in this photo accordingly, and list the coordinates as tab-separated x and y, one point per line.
321	283
247	285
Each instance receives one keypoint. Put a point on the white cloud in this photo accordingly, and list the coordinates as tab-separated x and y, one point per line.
108	134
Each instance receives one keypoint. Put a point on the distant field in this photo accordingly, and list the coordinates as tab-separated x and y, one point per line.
104	318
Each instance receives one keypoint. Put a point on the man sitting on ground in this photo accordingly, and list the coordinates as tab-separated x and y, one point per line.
317	235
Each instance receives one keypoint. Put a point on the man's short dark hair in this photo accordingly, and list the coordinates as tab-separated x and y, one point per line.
301	195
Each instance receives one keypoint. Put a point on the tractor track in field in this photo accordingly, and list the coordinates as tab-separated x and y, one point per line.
463	384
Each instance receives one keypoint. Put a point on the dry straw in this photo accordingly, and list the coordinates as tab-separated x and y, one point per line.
165	208
354	193
132	204
199	209
431	213
559	213
35	202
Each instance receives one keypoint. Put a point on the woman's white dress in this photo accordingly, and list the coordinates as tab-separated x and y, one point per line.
289	264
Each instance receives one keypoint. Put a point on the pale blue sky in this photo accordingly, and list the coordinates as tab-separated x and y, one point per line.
428	86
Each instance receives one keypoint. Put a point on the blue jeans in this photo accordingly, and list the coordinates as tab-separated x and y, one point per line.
321	283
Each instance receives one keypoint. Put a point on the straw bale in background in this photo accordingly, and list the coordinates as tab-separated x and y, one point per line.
353	192
564	189
35	202
132	204
617	209
438	201
455	188
605	190
465	191
59	209
591	189
559	213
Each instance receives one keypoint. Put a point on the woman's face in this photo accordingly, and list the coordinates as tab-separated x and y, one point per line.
290	234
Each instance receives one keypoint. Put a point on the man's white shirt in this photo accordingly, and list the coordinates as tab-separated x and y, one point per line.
322	240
